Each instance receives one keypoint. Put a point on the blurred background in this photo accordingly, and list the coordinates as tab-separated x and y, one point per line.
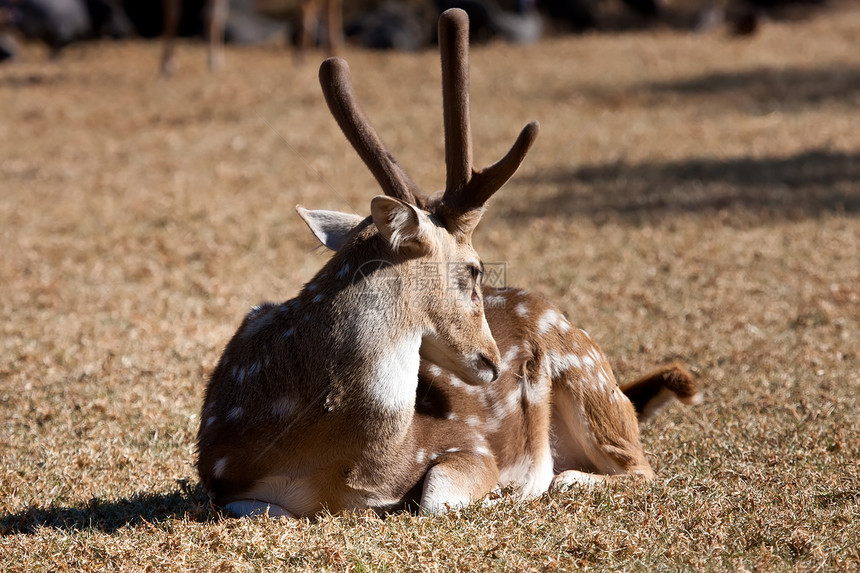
381	24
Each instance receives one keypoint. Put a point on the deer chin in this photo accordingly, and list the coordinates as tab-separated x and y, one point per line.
476	368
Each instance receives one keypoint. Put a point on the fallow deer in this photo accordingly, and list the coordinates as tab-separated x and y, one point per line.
312	404
312	11
329	11
555	416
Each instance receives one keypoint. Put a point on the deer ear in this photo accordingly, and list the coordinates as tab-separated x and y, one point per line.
330	227
407	230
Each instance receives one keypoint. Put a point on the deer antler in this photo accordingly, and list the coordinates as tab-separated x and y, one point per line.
467	189
337	89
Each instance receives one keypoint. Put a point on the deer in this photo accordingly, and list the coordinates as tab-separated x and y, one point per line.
216	18
311	406
215	11
330	11
297	418
556	415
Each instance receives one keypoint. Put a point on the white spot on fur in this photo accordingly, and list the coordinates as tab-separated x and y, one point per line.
451	416
473	421
588	362
420	456
510	404
482	451
257	321
234	413
456	382
219	467
558	364
493	423
604	378
521	309
452	450
547	320
434	370
537	391
509	357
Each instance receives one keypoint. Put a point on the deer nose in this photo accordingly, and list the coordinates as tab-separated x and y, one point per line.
491	365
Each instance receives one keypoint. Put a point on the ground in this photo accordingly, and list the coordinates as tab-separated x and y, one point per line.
689	197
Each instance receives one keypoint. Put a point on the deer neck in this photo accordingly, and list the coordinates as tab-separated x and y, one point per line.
367	335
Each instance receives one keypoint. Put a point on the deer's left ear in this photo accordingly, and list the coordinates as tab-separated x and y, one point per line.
406	229
330	227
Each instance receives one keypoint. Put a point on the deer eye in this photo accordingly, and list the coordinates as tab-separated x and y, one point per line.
477	273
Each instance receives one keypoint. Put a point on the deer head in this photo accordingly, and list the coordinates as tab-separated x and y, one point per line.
419	272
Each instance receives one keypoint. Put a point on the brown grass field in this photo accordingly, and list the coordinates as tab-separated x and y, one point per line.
689	197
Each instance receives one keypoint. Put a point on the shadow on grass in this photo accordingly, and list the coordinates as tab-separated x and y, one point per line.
805	185
31	79
110	516
771	87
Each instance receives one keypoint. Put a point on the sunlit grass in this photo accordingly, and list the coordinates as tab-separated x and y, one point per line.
689	197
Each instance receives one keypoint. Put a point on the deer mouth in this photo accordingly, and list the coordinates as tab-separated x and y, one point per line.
488	370
475	368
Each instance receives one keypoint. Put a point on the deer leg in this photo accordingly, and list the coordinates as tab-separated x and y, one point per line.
172	10
217	15
457	480
310	10
255	508
596	423
335	26
594	426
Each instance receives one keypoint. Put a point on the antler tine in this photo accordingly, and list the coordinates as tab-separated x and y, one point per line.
454	49
467	188
341	100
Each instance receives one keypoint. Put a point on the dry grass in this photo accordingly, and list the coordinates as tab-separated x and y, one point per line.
689	197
